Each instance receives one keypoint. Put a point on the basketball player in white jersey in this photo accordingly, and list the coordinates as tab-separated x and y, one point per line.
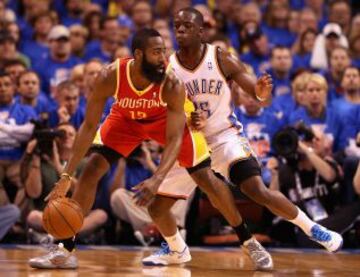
206	71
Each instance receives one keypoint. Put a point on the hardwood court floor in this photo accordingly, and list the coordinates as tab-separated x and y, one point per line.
125	261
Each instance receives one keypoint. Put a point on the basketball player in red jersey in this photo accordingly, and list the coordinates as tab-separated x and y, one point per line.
149	105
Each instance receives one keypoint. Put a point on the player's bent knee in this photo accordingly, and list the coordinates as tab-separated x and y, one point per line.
254	188
95	167
34	217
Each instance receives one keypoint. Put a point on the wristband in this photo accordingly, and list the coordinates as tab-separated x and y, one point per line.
66	175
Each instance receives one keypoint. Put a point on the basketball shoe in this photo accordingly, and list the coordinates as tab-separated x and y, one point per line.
260	257
57	258
331	240
165	256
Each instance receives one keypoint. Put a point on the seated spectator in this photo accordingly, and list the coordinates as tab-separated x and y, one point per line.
340	13
141	164
77	77
284	105
281	64
68	110
78	38
330	38
339	61
91	22
30	94
42	167
74	12
15	130
91	69
56	67
9	214
350	86
310	181
109	41
141	15
122	52
259	51
37	48
316	114
14	68
276	28
302	53
8	50
259	126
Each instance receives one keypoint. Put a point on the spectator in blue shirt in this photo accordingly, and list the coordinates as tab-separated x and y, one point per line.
259	50
37	47
276	27
30	94
15	131
281	63
109	41
56	67
68	111
344	107
14	68
141	15
316	114
74	12
302	51
340	13
284	105
339	61
78	39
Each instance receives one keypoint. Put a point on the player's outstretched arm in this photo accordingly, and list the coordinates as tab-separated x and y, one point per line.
104	86
174	95
233	69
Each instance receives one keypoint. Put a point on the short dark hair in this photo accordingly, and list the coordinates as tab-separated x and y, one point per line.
278	47
22	74
141	38
3	74
334	2
199	18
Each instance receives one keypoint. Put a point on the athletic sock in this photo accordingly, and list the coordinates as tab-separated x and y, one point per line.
176	242
242	232
69	244
303	221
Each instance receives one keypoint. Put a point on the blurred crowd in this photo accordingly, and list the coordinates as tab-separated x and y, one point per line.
51	51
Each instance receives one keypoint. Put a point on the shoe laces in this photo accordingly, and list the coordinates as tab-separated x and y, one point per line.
164	249
320	234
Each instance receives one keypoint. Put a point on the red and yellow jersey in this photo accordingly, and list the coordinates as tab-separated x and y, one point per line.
136	104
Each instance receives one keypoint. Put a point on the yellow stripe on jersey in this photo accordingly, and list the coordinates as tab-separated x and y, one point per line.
97	140
188	107
200	148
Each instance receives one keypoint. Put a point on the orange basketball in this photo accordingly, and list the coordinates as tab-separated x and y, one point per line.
62	218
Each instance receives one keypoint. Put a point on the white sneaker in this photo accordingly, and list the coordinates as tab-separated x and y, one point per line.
260	257
331	240
57	258
165	256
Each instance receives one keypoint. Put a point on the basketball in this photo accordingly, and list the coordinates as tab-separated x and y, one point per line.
62	218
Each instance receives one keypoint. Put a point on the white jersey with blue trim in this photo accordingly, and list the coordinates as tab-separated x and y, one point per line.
208	89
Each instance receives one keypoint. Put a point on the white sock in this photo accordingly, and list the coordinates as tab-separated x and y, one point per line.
303	221
176	242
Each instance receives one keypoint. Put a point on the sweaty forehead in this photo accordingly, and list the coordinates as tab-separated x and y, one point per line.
184	16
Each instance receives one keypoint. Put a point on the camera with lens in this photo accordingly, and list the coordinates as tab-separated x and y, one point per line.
45	137
285	141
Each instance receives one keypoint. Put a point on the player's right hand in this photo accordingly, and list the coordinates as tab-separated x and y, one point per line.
60	190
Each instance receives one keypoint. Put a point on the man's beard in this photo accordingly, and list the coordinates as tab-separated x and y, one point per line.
151	72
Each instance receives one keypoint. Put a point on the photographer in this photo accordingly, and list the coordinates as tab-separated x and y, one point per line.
310	179
42	168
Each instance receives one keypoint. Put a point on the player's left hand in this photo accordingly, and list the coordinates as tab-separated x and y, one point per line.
146	191
263	89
